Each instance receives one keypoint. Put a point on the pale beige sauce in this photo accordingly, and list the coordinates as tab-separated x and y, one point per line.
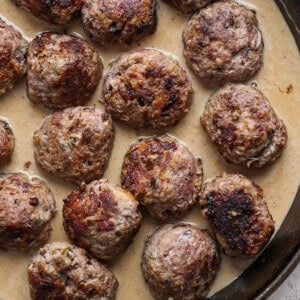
281	69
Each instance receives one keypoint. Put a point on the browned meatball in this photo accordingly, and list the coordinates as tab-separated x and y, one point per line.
53	11
63	271
180	261
75	144
63	70
119	21
189	6
222	43
7	141
163	175
242	124
147	88
27	207
102	218
13	52
238	213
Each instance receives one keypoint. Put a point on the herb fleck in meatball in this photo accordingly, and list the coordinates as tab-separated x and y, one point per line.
147	88
64	271
242	124
27	207
189	6
7	141
102	218
63	70
179	261
237	212
75	144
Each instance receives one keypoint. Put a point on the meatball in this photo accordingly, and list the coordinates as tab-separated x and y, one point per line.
238	214
7	141
222	43
102	218
13	52
147	88
75	144
27	207
163	175
119	21
63	70
242	124
179	261
189	6
54	11
64	271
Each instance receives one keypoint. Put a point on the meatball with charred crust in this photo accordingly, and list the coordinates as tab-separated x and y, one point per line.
119	21
101	218
189	6
179	261
7	141
163	175
242	124
147	88
238	214
63	70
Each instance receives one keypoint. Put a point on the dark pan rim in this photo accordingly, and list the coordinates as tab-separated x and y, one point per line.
282	255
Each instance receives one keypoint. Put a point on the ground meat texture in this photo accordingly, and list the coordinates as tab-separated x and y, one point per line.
237	212
7	141
242	124
75	144
189	6
63	271
179	261
63	70
13	52
222	43
163	175
102	218
119	21
27	207
53	11
147	88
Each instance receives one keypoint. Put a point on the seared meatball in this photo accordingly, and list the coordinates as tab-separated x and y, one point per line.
75	144
102	218
13	52
7	141
163	175
179	261
63	70
238	213
27	207
53	11
189	6
222	43
242	124
64	271
147	88
119	21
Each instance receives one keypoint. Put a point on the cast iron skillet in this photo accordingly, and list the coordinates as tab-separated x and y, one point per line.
283	254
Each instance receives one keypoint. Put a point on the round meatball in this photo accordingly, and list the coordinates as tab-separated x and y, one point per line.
147	88
63	70
163	175
222	43
27	207
242	124
238	214
179	261
7	141
64	271
54	11
119	21
13	52
102	218
75	144
189	6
